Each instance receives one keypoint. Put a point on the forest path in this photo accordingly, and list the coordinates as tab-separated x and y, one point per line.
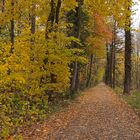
97	115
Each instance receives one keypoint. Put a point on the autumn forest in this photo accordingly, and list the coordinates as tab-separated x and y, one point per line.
52	50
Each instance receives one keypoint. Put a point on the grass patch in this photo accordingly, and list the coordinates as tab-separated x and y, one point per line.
133	99
119	90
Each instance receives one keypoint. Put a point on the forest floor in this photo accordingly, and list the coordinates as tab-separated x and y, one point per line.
99	114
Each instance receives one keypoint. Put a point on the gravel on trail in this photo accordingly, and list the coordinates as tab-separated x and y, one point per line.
99	114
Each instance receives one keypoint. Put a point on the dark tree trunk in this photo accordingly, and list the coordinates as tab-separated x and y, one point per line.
58	11
12	27
114	68
111	65
2	10
51	19
111	60
33	19
12	34
52	13
3	3
55	17
127	79
73	84
49	28
107	71
114	56
90	71
128	51
77	78
77	26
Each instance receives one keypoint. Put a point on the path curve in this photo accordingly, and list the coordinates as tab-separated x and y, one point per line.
97	115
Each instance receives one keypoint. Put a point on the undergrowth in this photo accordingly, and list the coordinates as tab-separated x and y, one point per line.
20	110
133	99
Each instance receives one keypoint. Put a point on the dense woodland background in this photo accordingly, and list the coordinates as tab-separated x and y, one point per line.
52	49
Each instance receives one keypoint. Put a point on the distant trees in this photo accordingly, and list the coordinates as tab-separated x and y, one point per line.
111	58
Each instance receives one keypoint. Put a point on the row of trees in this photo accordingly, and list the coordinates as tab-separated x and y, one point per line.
117	46
45	44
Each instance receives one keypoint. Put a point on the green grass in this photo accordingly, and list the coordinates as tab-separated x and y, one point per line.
133	99
119	90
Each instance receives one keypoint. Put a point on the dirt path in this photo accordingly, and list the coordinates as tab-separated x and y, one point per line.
98	115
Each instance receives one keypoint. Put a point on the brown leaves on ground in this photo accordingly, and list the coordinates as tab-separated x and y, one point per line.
98	115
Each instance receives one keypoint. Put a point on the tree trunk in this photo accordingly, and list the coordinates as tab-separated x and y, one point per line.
49	28
111	60
50	20
107	71
3	3
137	69
111	65
33	19
53	18
73	86
114	68
12	27
58	11
2	10
128	51
90	71
77	25
114	55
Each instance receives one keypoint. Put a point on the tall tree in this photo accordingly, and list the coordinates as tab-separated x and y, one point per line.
114	55
128	50
77	32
